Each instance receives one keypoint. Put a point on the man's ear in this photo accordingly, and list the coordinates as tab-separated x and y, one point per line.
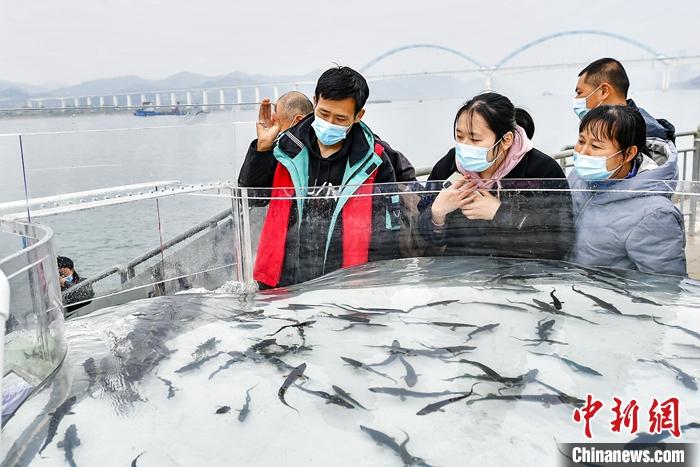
605	90
359	115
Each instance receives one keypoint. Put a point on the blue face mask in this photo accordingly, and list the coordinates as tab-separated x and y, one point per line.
593	169
474	158
581	105
69	279
327	133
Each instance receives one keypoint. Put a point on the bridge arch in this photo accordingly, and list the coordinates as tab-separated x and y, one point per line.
397	50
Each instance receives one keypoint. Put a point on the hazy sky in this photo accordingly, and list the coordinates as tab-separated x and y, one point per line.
70	41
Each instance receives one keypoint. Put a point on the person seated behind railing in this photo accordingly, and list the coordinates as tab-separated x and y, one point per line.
70	279
482	210
328	158
624	216
605	81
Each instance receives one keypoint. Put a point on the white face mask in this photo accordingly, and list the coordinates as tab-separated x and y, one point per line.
592	169
474	158
581	105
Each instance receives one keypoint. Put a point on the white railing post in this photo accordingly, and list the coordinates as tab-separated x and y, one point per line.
4	314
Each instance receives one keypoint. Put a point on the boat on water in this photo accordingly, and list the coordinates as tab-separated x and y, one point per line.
148	109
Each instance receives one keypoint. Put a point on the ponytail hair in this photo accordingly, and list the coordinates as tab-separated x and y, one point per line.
499	113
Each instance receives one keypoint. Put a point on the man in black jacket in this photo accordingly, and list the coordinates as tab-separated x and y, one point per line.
326	159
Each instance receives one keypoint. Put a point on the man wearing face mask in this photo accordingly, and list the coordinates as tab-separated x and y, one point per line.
327	159
605	81
71	291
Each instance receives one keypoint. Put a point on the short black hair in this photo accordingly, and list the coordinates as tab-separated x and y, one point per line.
342	82
620	123
295	103
607	70
64	262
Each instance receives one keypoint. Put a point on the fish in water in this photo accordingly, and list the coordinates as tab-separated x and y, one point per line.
437	351
430	305
353	317
685	379
690	332
548	308
411	377
406	457
570	363
383	439
486	327
503	306
346	395
298	326
133	463
205	347
437	406
367	309
404	393
544	328
69	443
298	307
492	375
56	417
293	376
91	371
223	409
236	357
330	398
444	324
249	326
601	303
546	399
245	410
555	301
360	365
197	363
352	326
171	388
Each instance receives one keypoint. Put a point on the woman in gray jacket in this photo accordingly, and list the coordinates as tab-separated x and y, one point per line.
623	214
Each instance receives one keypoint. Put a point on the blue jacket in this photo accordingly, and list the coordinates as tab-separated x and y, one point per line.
631	223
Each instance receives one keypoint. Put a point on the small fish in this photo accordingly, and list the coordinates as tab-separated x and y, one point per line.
91	371
298	326
555	301
492	375
601	303
445	324
352	326
617	289
570	363
237	357
404	393
298	307
204	348
395	348
433	304
382	439
502	305
56	417
293	376
486	327
407	458
245	410
197	363
249	326
330	398
548	308
687	380
346	395
411	377
546	399
544	328
437	406
69	443
360	365
354	317
223	409
171	388
437	351
690	332
133	463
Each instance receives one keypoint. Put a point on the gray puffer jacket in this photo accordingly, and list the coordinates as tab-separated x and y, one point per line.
631	223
